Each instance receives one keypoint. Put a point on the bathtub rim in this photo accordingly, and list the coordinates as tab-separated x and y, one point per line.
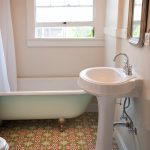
63	92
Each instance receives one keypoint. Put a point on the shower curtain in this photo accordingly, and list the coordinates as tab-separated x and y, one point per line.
4	85
8	76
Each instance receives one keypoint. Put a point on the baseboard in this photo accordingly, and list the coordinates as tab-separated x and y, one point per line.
119	140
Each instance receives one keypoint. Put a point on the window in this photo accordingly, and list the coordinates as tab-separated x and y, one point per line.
66	21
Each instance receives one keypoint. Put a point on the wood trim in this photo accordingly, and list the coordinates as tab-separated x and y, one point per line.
139	42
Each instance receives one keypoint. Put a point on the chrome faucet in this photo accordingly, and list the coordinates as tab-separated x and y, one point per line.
127	68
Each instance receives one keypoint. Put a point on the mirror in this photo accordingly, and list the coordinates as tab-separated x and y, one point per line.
137	21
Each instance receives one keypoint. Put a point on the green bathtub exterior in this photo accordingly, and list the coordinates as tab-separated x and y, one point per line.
14	107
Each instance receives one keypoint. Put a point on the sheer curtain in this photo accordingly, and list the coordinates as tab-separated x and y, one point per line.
4	85
8	76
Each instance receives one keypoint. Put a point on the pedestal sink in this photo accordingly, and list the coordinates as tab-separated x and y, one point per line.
108	83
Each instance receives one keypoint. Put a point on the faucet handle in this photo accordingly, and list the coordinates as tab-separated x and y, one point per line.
125	68
130	69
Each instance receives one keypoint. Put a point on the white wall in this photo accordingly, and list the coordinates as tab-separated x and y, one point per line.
52	61
110	24
139	58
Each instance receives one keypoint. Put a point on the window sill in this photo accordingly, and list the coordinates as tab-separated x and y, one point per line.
66	42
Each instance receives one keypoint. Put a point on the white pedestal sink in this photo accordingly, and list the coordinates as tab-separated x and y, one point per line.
106	84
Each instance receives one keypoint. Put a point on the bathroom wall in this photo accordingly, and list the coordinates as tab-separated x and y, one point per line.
110	28
51	61
139	58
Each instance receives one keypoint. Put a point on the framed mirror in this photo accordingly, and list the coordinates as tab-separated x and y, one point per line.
137	21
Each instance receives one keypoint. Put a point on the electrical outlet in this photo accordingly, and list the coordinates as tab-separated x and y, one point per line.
147	39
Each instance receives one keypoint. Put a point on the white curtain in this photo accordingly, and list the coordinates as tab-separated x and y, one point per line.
8	76
4	85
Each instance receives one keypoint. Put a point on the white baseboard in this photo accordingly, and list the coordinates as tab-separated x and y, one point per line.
119	140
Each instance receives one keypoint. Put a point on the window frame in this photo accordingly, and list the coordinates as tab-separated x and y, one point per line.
97	40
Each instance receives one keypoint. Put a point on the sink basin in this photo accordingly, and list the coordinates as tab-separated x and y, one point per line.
107	81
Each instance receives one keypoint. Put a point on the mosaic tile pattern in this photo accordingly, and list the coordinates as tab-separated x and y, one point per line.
79	134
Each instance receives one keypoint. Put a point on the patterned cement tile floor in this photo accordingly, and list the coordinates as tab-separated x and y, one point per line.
79	134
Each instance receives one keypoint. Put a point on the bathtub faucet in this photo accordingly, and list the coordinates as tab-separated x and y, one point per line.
127	68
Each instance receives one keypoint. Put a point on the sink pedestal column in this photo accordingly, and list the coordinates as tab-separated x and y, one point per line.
106	108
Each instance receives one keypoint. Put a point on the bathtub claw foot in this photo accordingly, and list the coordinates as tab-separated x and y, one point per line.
61	124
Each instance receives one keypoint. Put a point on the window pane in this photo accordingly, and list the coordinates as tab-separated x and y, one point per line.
71	2
50	11
64	14
57	2
86	2
43	3
64	32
